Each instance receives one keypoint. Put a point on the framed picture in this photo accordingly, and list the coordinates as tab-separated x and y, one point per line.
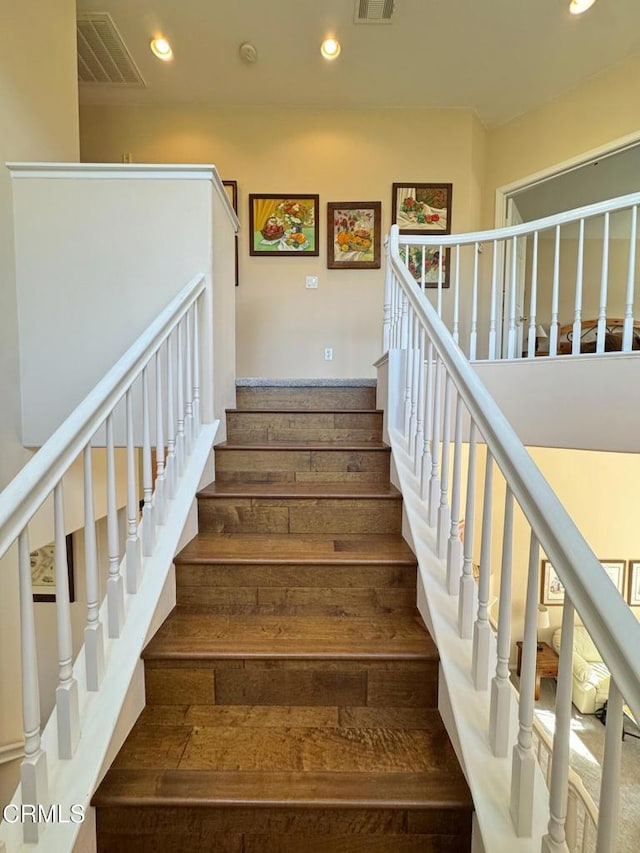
283	224
615	570
633	592
231	188
551	587
353	235
43	571
422	208
414	255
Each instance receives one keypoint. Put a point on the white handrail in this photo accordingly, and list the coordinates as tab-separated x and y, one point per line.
26	493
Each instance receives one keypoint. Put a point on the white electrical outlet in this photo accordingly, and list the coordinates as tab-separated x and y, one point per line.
312	281
328	353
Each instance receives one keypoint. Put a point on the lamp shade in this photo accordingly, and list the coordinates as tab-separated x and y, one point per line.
540	332
543	617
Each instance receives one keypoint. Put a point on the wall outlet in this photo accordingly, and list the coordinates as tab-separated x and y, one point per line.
311	281
328	353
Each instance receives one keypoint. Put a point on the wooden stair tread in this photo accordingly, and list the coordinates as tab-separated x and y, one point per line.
277	410
329	490
306	548
317	789
305	444
186	635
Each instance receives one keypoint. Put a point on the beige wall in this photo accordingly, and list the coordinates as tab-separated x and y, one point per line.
39	121
342	155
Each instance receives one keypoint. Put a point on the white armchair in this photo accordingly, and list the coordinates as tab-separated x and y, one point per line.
590	687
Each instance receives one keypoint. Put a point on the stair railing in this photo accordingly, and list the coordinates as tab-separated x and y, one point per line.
158	381
435	398
564	284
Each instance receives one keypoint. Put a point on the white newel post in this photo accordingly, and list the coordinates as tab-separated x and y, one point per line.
33	770
627	334
407	364
148	510
467	586
533	302
473	336
188	388
553	329
604	282
499	735
196	371
415	373
115	586
610	781
425	463
180	441
444	513
416	450
434	480
171	473
67	691
133	545
577	309
454	546
511	337
493	302
555	841
93	636
159	498
481	628
386	326
524	760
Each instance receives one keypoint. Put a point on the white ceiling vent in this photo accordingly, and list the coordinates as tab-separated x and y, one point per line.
373	11
103	57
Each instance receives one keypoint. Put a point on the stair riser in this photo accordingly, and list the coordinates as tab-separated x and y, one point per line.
279	575
263	427
282	830
374	684
306	398
297	515
302	466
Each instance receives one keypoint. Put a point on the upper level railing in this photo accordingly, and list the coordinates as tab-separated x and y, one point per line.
157	383
561	285
434	397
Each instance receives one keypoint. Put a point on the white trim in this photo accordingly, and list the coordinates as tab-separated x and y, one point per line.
616	146
127	171
11	751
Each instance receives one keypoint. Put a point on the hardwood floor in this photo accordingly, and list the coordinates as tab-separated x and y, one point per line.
292	694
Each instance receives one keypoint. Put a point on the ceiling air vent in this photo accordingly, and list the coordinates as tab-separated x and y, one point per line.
103	57
373	11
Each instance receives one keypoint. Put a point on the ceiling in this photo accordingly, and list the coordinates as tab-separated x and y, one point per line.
501	58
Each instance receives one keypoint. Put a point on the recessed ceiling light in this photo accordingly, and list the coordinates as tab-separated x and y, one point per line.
330	48
161	48
577	7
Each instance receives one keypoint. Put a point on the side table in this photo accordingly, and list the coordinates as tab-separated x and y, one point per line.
546	663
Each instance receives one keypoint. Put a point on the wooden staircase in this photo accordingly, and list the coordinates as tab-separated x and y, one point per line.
292	693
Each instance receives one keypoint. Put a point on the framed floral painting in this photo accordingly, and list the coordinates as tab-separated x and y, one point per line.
43	571
422	208
283	224
633	592
425	266
353	235
231	189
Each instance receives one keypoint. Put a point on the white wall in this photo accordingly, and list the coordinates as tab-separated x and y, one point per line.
39	121
344	155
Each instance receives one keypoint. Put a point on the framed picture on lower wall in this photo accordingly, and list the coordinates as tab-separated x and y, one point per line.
616	571
43	571
231	189
633	591
551	587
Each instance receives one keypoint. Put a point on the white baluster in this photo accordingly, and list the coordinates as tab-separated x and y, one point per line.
499	736
523	765
425	469
627	333
423	268
419	439
133	546
171	473
196	371
465	600
553	329
115	587
93	637
407	363
188	389
444	513
148	510
511	338
434	480
454	547
577	311
610	781
493	302
180	438
33	770
413	355
473	338
481	628
67	690
533	302
455	330
440	279
159	497
604	282
555	840
388	302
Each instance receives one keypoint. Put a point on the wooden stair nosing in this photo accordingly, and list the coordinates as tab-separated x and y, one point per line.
293	411
300	491
311	789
